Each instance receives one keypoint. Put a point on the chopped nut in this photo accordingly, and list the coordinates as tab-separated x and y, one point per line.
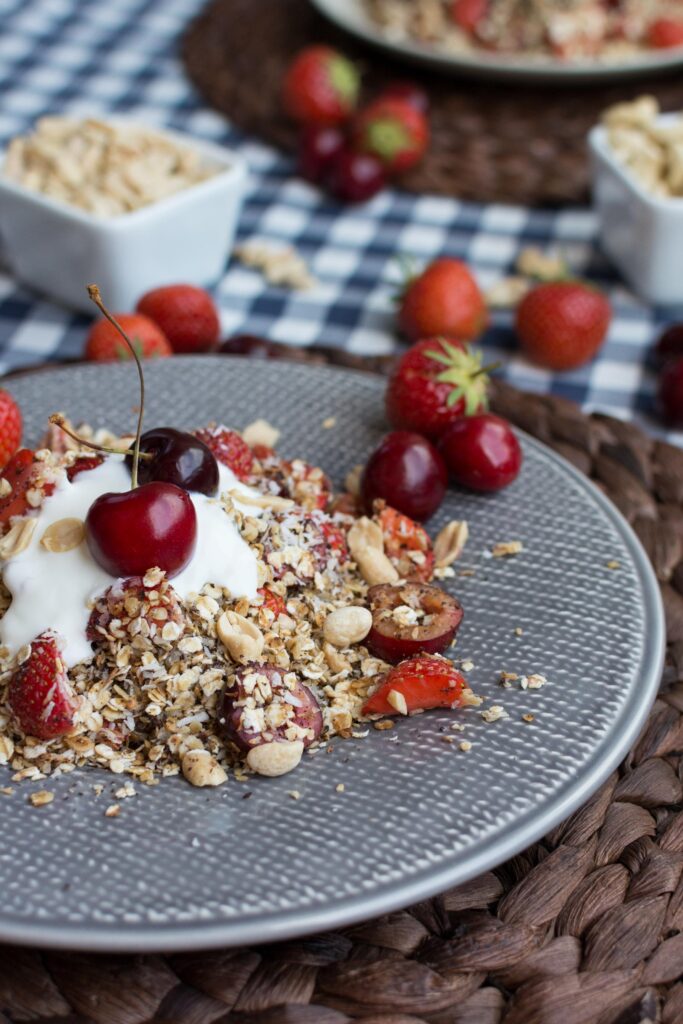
352	481
613	564
113	811
261	432
242	638
6	749
272	501
41	797
375	567
385	723
450	542
17	539
276	758
465	745
294	794
5	487
494	713
64	535
329	422
346	626
506	549
397	701
527	718
340	787
364	534
201	768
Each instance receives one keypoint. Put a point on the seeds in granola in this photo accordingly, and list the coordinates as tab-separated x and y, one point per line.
64	535
273	759
346	626
242	638
201	768
450	542
17	539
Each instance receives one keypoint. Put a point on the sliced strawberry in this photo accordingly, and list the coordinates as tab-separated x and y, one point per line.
130	600
406	544
40	694
82	464
22	474
418	684
273	602
229	448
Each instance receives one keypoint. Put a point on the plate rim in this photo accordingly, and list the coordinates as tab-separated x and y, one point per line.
348	16
297	923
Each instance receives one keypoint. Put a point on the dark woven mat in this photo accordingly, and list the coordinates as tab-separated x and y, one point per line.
585	927
492	143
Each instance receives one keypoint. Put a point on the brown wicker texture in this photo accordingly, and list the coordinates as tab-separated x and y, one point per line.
585	927
491	142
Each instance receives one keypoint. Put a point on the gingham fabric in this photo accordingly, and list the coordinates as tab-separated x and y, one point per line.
85	56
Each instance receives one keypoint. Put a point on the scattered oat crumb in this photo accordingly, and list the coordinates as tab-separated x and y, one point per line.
507	548
98	789
467	665
466	572
542	266
532	682
448	739
506	679
494	713
340	787
518	631
41	797
6	790
280	265
465	746
329	422
123	792
614	564
113	811
527	718
360	734
295	794
457	727
386	723
507	292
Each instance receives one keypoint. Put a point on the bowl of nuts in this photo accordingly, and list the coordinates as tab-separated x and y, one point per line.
117	202
637	160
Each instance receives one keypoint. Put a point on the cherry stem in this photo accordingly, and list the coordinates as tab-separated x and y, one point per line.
60	422
94	294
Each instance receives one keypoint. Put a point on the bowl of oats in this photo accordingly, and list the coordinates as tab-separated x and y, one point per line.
119	202
637	161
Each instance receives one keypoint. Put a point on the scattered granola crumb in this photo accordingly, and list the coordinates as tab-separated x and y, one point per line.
294	794
280	265
494	713
6	790
41	797
340	787
466	572
613	564
113	811
386	723
126	791
518	631
448	739
533	682
506	549
506	679
329	422
527	718
457	727
467	665
98	789
465	746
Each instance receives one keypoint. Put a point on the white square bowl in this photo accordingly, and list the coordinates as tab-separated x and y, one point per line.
58	249
640	232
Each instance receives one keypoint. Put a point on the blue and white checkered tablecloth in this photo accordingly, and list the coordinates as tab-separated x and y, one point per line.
84	56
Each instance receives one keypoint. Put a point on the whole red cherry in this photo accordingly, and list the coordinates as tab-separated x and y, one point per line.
481	452
356	177
670	344
670	393
152	525
408	473
319	147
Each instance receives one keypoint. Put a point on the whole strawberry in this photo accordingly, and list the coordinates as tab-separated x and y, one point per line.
394	131
10	427
665	33
561	325
187	316
436	382
321	87
40	695
104	344
443	300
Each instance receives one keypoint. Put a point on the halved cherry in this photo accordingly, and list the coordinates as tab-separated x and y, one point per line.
410	619
416	685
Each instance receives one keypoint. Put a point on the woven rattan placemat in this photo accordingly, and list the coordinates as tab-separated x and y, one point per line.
491	142
585	927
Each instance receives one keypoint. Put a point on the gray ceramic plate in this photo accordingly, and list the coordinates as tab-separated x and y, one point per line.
352	16
184	868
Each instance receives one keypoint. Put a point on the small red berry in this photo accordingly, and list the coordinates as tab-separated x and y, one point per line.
562	324
408	473
670	344
321	86
670	393
356	177
481	452
444	300
319	147
665	33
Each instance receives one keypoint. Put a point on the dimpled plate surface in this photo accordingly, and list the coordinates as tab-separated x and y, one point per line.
183	868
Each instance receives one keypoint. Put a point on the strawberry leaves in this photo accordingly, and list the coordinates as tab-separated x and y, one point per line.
464	370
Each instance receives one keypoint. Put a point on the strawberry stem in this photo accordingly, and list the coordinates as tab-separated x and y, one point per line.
487	369
94	294
58	420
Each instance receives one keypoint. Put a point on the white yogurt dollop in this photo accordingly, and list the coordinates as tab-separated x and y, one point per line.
51	590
